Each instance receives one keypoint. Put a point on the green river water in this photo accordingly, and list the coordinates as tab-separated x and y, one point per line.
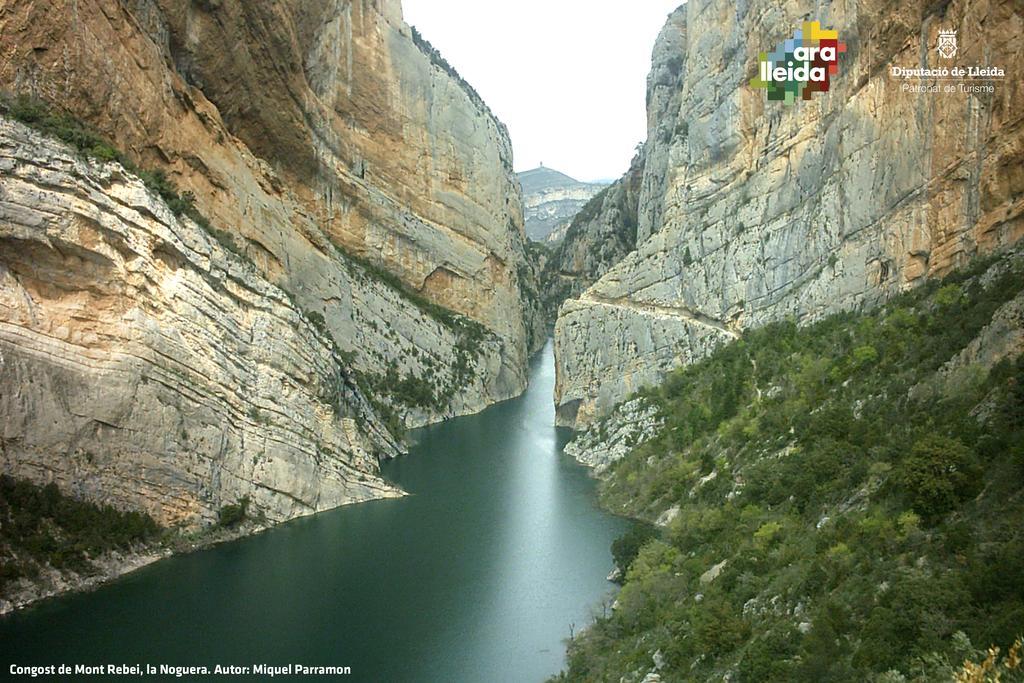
478	575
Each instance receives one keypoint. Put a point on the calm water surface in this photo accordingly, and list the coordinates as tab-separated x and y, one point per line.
476	576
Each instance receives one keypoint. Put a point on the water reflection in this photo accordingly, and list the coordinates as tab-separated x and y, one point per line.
475	576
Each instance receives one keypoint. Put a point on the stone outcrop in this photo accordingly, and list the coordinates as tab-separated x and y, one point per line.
1001	339
361	272
550	200
603	443
664	116
751	211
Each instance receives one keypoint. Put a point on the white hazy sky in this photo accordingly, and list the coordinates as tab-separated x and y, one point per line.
568	77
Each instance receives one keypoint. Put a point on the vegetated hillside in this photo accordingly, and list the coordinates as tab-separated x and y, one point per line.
51	542
43	530
839	502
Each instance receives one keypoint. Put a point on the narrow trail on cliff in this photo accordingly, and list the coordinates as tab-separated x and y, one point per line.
661	310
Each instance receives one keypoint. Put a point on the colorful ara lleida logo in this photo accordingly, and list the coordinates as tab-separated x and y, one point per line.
801	65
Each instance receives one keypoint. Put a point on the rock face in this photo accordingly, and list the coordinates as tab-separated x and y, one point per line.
368	193
326	125
144	364
1002	338
750	211
550	200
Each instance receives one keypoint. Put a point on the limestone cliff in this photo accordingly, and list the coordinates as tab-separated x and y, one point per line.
368	193
325	123
550	200
751	211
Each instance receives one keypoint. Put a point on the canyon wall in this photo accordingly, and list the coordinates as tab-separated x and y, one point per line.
751	211
360	273
326	124
598	237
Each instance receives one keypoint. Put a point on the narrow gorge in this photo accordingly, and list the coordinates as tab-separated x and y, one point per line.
270	281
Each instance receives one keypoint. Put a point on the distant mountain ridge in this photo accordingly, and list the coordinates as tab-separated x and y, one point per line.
551	199
543	178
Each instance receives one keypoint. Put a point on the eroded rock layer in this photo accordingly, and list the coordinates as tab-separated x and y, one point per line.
325	123
144	364
751	211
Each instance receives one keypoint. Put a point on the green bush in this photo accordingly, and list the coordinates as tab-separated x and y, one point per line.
938	474
718	627
626	547
37	114
233	514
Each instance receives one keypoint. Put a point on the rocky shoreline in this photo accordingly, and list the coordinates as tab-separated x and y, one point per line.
53	583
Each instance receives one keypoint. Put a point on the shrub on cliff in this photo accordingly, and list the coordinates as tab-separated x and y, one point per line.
939	474
627	547
41	116
37	114
233	514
